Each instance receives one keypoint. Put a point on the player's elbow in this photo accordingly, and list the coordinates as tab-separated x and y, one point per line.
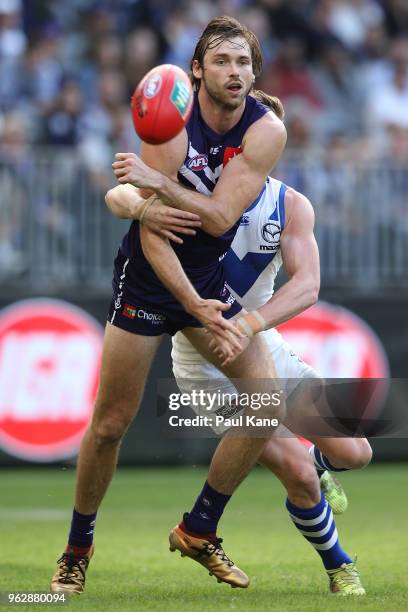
109	198
111	203
313	296
220	223
217	230
312	289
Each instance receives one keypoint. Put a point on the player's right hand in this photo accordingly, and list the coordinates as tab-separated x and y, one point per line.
165	221
223	350
227	340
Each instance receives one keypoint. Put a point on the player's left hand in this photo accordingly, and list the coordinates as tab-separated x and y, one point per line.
166	221
226	335
129	168
222	348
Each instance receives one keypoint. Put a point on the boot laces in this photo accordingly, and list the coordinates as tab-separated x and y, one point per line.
347	574
214	547
71	568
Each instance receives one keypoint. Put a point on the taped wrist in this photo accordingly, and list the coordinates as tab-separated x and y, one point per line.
252	323
145	207
141	207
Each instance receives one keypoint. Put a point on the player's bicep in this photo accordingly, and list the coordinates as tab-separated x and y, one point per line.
300	253
244	176
300	256
240	183
168	157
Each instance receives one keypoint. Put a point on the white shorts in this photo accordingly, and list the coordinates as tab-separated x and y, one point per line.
193	372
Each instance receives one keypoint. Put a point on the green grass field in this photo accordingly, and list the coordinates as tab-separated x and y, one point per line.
134	570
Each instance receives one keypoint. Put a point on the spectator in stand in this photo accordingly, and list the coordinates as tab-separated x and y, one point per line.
350	20
62	121
13	43
16	170
43	70
292	170
289	75
387	104
104	125
292	19
256	19
396	16
373	64
335	82
105	53
142	52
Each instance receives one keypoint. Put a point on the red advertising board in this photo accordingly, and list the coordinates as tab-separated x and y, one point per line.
50	355
336	342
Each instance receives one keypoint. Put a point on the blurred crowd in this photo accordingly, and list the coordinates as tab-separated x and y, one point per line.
68	69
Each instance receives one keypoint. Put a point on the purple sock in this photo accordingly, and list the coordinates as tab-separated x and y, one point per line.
82	529
207	511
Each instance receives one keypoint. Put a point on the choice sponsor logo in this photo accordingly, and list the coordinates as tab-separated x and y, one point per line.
50	355
244	220
197	163
133	312
153	317
129	311
152	86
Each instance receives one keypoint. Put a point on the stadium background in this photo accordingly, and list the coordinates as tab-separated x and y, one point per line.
67	70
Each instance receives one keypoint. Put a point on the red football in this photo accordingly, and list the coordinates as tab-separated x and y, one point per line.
162	104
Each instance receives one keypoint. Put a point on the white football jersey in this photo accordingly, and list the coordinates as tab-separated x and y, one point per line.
251	263
254	258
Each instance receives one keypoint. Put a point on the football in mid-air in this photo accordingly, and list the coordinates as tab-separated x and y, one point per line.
162	104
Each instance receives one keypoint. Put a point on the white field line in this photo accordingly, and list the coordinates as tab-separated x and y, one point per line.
33	514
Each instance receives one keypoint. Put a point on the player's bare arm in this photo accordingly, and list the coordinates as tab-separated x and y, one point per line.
162	258
164	261
167	266
126	202
300	257
239	184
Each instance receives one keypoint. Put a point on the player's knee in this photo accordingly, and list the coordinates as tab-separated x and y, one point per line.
355	456
302	480
306	478
362	455
109	433
110	429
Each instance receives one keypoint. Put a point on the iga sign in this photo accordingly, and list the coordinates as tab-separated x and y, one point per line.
50	355
336	342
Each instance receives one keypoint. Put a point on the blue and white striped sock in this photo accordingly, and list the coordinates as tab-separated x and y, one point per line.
321	461
318	527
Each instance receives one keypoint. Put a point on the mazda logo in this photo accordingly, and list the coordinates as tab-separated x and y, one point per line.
271	233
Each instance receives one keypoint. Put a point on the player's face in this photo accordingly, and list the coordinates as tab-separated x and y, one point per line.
227	72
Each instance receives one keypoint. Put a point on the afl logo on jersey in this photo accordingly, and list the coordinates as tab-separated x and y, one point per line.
197	163
271	233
